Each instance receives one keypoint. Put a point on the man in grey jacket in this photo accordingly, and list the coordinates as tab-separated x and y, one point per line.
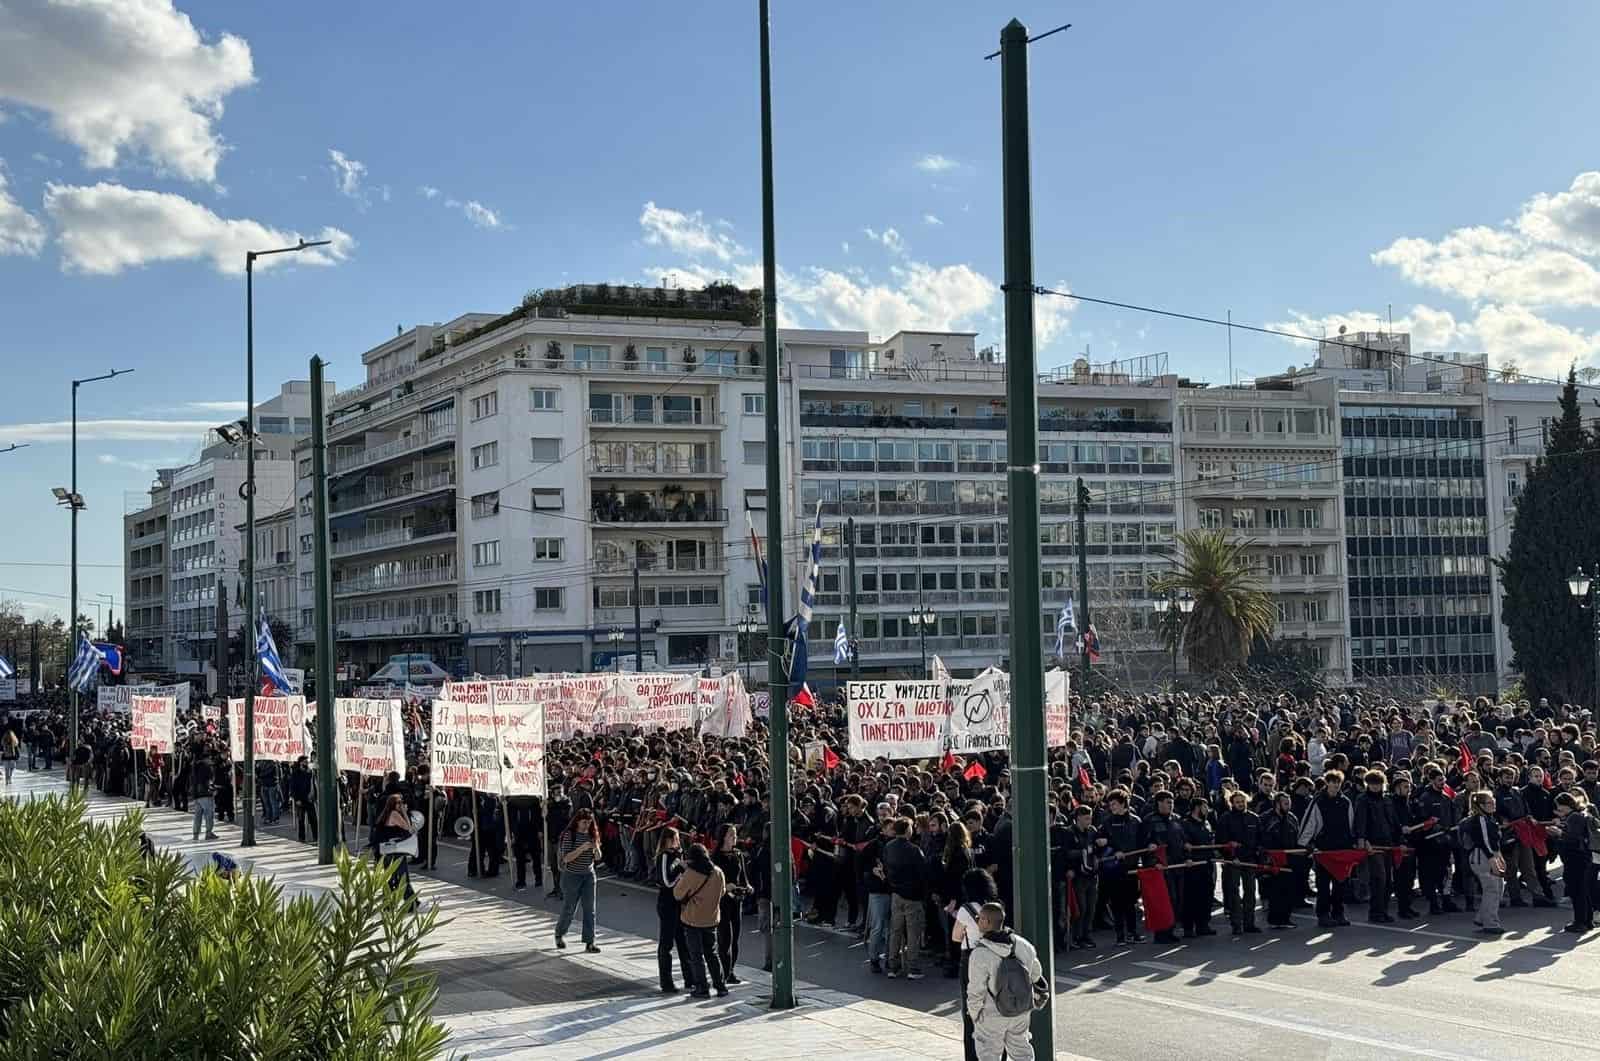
993	1034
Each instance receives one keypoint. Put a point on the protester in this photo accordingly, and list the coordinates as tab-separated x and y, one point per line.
393	841
576	852
699	891
1003	978
670	937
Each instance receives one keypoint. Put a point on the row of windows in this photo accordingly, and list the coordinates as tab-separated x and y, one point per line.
658	596
1454	605
1407	487
436	605
1427	645
1244	519
547	599
1267	421
1314	610
1265	471
487	554
1415	526
1416	566
540	451
1419	449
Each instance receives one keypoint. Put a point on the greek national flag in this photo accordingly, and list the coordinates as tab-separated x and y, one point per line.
799	653
85	669
1064	624
841	646
267	654
6	669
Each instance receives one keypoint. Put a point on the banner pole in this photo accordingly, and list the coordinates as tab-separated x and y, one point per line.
475	852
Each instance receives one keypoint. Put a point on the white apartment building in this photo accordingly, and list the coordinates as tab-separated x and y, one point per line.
495	482
145	575
906	436
1263	464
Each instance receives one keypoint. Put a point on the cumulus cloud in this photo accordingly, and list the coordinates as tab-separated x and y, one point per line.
931	219
108	431
1482	263
889	237
427	191
106	228
1052	314
687	233
348	174
1569	219
20	231
1430	328
115	79
935	163
140	464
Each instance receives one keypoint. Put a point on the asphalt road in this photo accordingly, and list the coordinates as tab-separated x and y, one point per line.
1429	989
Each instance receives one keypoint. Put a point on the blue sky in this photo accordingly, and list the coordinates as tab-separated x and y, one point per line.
1295	164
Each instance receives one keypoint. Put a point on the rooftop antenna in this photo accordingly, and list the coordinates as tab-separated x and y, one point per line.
1232	381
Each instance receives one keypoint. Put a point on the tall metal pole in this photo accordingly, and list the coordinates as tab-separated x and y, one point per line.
327	795
1083	572
638	626
72	614
1031	851
251	664
777	679
855	631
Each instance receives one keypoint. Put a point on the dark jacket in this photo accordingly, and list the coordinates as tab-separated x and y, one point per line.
906	867
1376	821
1242	828
1122	834
1573	844
1163	830
302	784
1329	823
200	779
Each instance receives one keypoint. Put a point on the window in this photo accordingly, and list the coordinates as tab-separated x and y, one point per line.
545	450
1513	484
486	455
485	504
485	554
548	499
755	405
755	453
544	399
305	543
1280	564
1313	611
1211	518
486	601
755	500
1244	519
1277	518
305	467
1310	518
592	356
485	405
547	548
1311	563
655	358
549	600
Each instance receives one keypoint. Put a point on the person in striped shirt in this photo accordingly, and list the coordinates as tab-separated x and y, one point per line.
576	852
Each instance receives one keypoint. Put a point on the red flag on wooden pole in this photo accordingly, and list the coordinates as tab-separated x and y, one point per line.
1157	900
975	771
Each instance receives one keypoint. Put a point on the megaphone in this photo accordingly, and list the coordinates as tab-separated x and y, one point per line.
464	826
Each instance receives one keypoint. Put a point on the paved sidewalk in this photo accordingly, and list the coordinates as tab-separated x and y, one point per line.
506	992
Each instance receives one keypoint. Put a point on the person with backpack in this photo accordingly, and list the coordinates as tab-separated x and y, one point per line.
1576	837
1005	984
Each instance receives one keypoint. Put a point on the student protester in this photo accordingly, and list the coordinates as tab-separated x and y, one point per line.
1481	836
977	890
668	868
1329	825
699	891
1574	830
730	924
1001	996
576	851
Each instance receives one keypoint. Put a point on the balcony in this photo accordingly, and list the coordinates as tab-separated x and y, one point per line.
650	566
1311	627
349	458
697	469
1060	424
639	508
1252	485
672	418
360	543
396	490
1290	535
1300	439
1522	448
416	626
703	614
349	587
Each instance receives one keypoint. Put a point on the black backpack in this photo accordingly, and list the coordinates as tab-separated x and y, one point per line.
1012	989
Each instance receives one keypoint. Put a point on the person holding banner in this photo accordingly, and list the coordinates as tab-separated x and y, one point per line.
393	842
576	851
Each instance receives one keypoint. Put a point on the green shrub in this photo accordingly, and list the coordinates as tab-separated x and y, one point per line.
104	954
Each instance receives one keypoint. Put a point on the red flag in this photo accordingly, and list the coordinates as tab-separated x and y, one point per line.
1157	900
738	779
267	688
1529	835
829	760
975	772
1449	793
1083	778
1340	864
1399	855
797	851
1278	859
1161	854
948	763
1548	784
804	697
587	775
1466	757
1072	905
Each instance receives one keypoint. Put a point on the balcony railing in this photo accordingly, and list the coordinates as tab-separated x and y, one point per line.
662	565
892	422
422	484
416	626
386	539
702	467
386	583
657	514
656	418
348	458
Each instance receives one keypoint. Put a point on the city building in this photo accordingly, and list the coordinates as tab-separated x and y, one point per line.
907	438
1262	462
495	484
184	545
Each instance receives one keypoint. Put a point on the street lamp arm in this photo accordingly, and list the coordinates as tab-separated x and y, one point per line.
113	374
300	246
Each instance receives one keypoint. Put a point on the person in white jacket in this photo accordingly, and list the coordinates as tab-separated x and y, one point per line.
994	1034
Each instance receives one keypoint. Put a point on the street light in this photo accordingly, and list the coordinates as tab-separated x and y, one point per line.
1579	584
921	620
74	501
616	636
748	627
1183	604
252	663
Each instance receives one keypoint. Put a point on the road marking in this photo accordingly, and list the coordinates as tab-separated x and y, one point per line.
1419	931
1261	983
1315	1031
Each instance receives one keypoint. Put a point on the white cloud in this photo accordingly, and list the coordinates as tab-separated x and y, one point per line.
216	407
348	174
475	212
686	233
1052	314
936	163
427	191
845	246
107	431
106	228
889	237
930	219
1569	219
916	295
141	464
1430	328
45	160
20	231
129	77
1490	264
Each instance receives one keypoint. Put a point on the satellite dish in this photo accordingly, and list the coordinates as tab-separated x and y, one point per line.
464	826
1341	329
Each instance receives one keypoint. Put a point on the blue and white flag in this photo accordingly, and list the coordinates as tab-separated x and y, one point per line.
798	651
112	654
267	655
841	646
1063	624
85	669
6	669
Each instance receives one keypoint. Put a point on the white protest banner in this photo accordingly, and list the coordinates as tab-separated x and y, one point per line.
724	706
369	735
153	723
761	704
897	720
211	712
980	713
462	751
280	723
656	701
1057	720
518	722
117	697
8	689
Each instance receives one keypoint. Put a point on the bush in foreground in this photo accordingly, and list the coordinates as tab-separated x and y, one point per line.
105	954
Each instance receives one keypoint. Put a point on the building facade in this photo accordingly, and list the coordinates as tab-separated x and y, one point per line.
145	577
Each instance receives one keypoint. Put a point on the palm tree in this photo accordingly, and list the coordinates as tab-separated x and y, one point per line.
1231	609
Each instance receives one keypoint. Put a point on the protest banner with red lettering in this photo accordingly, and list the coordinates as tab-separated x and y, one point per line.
1057	723
154	719
518	721
280	728
463	750
652	702
724	706
369	735
897	720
